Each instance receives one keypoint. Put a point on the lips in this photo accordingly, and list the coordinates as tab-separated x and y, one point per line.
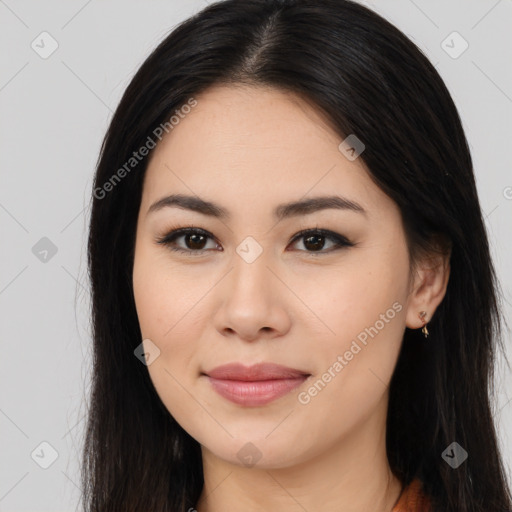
254	385
262	371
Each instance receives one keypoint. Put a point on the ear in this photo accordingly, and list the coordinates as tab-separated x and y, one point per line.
428	287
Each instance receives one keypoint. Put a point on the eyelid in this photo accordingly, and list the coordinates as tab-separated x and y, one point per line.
172	234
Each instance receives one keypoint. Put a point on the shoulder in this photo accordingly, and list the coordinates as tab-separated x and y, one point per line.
413	498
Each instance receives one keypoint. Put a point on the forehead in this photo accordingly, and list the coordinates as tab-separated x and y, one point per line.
238	118
255	143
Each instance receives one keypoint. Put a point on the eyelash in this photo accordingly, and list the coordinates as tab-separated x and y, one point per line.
168	239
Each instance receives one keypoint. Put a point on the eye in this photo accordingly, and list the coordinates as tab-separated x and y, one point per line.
314	240
195	241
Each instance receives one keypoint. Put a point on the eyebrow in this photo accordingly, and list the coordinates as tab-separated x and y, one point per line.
282	211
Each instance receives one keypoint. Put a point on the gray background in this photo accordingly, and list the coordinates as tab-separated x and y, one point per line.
54	112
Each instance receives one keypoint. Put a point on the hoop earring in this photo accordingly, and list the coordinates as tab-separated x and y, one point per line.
424	330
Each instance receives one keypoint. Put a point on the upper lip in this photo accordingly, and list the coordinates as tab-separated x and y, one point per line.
260	371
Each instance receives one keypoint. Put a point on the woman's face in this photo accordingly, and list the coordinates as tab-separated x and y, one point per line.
250	291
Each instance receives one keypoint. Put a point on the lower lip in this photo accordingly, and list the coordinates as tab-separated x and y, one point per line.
254	393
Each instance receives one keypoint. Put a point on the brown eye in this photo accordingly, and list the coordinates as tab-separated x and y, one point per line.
315	241
194	240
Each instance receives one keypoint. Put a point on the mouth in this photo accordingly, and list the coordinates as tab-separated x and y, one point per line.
256	385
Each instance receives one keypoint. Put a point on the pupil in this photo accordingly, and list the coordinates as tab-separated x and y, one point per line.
195	240
316	245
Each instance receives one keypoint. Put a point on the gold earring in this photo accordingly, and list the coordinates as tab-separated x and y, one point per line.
422	316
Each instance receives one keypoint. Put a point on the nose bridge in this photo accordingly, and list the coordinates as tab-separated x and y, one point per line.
251	301
250	274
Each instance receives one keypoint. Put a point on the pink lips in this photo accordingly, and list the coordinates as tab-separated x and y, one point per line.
254	385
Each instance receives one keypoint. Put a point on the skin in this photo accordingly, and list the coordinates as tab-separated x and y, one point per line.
249	149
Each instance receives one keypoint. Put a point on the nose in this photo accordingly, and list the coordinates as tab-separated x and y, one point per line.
252	302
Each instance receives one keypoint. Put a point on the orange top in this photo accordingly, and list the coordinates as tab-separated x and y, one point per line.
412	499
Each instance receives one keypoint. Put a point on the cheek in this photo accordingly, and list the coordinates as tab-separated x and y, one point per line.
166	314
355	365
363	306
163	319
163	297
169	319
348	298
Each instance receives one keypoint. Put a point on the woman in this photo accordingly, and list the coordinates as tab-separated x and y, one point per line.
294	304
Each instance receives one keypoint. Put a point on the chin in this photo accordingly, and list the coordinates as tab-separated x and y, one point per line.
257	452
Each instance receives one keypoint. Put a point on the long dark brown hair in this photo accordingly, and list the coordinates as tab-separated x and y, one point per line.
370	80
